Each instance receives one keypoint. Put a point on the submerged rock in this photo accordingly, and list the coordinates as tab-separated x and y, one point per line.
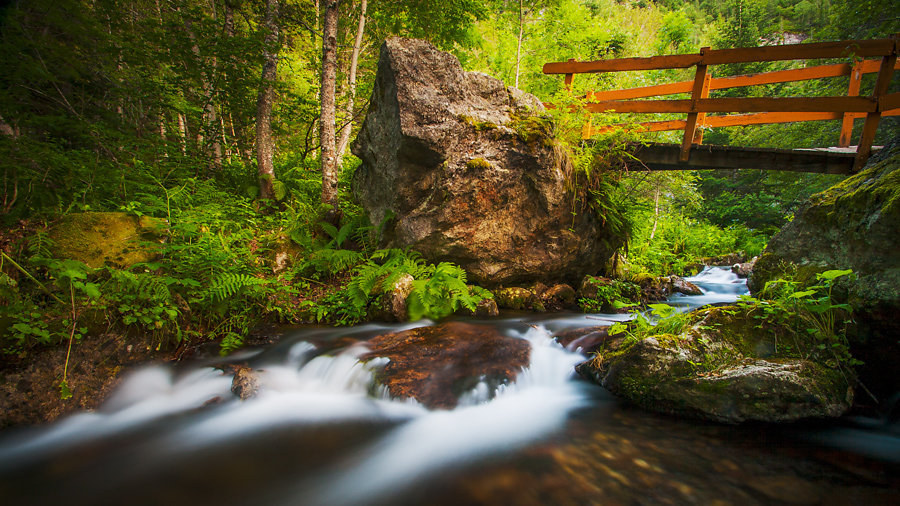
245	383
683	286
436	365
852	225
460	168
586	340
721	368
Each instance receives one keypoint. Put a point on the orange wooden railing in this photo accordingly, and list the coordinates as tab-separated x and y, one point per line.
762	109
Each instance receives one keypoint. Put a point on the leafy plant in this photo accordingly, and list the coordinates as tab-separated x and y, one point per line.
816	323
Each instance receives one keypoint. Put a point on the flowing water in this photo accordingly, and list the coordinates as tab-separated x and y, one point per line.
319	434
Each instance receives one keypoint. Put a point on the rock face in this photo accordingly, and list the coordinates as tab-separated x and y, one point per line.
435	365
721	368
853	225
460	168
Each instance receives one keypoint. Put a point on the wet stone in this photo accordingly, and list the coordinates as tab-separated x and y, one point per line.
435	365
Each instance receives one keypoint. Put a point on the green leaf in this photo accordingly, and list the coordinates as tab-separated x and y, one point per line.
662	310
805	293
617	328
64	391
833	274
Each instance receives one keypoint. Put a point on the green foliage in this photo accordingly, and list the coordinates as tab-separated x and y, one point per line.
611	296
813	324
437	290
663	319
441	294
680	242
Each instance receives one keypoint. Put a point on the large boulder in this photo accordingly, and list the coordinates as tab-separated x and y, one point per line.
722	367
852	225
461	168
437	365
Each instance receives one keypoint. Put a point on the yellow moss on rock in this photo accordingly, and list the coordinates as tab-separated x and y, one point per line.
99	239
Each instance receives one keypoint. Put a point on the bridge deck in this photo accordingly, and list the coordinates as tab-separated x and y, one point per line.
706	156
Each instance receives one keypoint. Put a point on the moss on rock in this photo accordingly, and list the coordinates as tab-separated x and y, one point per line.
722	367
98	238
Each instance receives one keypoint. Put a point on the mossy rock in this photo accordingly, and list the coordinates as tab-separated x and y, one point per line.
852	225
721	367
517	298
101	238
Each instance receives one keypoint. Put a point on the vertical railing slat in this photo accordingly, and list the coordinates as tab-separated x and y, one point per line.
864	149
700	82
852	91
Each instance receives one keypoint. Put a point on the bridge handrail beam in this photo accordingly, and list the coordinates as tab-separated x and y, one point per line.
818	50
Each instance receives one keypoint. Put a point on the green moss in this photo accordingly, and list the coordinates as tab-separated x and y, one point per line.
98	239
479	126
534	129
479	164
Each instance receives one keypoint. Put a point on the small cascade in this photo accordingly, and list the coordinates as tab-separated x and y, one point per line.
719	286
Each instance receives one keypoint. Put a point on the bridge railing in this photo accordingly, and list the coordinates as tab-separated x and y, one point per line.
762	109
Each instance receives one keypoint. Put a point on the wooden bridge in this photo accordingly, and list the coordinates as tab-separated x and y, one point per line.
752	110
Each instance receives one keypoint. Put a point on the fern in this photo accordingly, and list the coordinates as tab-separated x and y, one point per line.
442	294
227	285
330	262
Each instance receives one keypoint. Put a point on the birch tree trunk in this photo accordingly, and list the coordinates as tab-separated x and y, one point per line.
327	127
354	60
265	142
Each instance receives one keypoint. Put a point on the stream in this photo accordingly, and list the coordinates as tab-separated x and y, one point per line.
318	434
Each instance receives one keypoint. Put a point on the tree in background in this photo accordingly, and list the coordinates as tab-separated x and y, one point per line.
265	143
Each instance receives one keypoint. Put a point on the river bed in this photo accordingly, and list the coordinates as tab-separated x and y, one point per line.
319	434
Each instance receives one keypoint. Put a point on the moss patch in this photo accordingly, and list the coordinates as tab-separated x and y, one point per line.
99	239
479	164
479	126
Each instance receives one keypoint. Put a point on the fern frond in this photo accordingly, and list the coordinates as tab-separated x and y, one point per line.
228	284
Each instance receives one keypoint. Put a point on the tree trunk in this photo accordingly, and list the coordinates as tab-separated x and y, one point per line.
354	60
265	143
182	129
210	121
655	214
326	125
519	42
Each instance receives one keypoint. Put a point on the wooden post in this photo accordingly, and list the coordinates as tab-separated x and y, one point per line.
701	117
864	149
700	82
567	81
852	91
